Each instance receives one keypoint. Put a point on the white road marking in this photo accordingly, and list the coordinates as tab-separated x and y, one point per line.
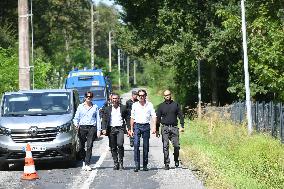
79	179
93	174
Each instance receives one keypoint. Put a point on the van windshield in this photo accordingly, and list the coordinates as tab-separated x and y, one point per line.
45	103
99	92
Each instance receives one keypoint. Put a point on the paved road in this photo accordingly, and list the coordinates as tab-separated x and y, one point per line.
60	175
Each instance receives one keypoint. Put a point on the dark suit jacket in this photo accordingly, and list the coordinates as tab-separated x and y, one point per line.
107	116
129	104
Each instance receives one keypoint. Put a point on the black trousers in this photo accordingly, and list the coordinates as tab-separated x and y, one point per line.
170	133
131	141
116	143
86	134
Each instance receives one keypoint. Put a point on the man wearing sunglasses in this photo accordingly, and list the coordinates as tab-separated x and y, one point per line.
87	121
113	125
167	115
141	114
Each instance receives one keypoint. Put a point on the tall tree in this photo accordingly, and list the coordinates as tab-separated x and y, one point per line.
178	33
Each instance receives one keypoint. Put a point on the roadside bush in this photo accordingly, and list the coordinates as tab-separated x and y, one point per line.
228	158
8	70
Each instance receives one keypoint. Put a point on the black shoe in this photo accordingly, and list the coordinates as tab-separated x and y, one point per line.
167	167
145	168
176	163
121	166
116	167
136	169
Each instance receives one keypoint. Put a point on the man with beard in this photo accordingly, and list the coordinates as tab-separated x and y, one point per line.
113	125
167	114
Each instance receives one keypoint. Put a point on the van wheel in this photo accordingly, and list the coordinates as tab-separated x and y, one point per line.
4	167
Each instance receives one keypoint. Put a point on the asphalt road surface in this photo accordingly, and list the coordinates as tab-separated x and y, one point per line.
59	175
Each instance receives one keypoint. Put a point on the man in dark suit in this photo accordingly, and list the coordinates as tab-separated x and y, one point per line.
129	104
113	125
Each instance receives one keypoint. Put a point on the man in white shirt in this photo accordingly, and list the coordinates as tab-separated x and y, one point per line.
141	115
113	125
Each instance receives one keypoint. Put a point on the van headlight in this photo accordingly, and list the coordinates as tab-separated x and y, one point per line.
64	128
5	131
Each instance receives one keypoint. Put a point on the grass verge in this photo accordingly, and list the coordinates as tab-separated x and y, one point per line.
154	98
224	156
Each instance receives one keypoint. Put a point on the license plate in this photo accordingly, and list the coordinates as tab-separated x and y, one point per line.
38	148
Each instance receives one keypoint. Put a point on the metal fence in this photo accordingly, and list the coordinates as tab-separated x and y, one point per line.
266	117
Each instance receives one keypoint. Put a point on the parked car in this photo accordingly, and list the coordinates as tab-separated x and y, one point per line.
42	118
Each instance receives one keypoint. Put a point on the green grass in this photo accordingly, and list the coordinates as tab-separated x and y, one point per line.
154	97
224	156
228	158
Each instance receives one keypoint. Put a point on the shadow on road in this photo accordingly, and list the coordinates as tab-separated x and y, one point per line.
52	165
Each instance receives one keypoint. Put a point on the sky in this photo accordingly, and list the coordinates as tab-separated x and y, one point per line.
108	2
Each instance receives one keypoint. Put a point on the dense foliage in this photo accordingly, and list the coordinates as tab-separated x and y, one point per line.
166	37
176	34
62	40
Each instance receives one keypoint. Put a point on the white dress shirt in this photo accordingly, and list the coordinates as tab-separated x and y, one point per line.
115	118
142	114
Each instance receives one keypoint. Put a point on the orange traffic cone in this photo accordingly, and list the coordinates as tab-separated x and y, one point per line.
29	169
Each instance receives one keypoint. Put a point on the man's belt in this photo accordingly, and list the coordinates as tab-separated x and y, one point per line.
87	126
168	125
116	126
143	123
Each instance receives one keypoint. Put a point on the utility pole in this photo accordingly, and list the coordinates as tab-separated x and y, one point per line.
118	59
24	56
109	50
32	50
127	70
248	102
92	33
199	91
134	70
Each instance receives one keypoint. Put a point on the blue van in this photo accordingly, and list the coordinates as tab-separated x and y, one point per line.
89	80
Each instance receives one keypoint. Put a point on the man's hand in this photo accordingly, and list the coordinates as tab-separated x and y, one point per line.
77	127
104	132
131	133
181	129
98	134
154	130
128	133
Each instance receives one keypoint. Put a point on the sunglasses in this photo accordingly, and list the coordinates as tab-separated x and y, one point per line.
167	95
89	97
141	95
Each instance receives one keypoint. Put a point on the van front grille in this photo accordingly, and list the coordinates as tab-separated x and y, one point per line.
36	155
42	135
